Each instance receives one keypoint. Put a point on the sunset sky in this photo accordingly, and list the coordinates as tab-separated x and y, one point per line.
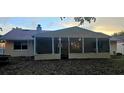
107	25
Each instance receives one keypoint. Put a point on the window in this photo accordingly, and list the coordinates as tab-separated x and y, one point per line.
20	45
89	45
75	45
56	45
43	45
24	45
103	45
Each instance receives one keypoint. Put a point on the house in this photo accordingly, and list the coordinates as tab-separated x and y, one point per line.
68	43
117	45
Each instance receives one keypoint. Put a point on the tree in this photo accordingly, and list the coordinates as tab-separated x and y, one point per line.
119	34
81	20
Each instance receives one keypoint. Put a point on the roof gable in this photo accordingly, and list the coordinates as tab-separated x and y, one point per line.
72	32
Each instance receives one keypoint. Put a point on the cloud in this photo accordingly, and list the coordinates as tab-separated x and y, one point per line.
69	24
7	27
106	29
107	25
64	24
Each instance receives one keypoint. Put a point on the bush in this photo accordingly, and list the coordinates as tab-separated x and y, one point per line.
119	54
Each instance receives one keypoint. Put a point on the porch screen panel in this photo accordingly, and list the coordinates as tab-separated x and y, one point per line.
43	45
89	45
75	45
56	45
103	45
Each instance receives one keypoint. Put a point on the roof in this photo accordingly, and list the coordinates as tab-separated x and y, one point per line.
73	32
20	34
24	34
117	38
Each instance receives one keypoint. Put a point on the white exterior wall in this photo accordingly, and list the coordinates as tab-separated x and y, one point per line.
9	49
120	47
47	56
113	47
88	55
72	56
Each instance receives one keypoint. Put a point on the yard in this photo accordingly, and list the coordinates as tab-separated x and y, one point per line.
22	66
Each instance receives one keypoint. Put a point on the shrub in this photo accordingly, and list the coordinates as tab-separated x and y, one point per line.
119	54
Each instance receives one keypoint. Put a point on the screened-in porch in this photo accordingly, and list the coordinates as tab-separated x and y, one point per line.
71	47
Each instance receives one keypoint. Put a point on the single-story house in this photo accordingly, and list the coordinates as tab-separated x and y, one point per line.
117	45
69	43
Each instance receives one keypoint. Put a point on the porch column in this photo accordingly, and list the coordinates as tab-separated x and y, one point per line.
52	45
97	45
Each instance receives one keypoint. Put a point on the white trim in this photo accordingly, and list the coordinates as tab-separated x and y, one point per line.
21	45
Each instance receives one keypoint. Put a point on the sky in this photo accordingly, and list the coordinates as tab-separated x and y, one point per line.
107	25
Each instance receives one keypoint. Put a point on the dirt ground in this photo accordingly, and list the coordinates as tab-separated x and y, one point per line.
63	67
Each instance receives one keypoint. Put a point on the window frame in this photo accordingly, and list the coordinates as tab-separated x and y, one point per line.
21	45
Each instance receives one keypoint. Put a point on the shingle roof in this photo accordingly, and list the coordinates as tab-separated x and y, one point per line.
20	34
72	32
24	34
116	38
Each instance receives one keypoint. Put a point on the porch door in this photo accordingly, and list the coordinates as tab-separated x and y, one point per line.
64	48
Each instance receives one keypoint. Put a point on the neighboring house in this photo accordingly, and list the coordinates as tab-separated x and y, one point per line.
117	45
69	43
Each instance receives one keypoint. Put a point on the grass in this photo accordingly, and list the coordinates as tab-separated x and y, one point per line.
114	66
118	63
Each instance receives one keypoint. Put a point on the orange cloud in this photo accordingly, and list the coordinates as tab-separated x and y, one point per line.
107	29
